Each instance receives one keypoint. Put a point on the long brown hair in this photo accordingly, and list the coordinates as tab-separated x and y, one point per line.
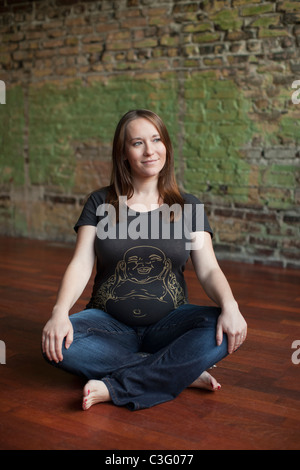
121	179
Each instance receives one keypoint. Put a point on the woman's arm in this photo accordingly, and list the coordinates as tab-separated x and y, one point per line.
217	288
73	283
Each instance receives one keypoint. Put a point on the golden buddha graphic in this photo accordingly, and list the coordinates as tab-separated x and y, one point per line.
143	281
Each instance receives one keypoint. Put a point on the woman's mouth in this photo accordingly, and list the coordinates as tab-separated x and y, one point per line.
147	162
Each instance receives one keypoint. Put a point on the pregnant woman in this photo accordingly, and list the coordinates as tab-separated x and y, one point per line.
139	342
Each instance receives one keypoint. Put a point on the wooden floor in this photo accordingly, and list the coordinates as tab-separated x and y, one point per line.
258	406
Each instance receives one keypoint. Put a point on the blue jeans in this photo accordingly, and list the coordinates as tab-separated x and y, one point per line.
144	366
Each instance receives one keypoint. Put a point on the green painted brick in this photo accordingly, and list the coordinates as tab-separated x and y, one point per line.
290	127
227	19
206	37
257	9
290	6
279	176
266	21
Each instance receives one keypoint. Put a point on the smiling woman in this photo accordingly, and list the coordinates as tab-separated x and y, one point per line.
130	134
146	154
139	342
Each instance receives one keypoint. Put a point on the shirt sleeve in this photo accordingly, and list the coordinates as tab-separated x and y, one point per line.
88	215
196	217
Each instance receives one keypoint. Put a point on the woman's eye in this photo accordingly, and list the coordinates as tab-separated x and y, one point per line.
136	144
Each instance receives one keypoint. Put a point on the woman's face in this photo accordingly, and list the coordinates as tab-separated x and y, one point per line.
144	150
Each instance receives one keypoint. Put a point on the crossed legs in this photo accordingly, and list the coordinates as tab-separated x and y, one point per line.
141	367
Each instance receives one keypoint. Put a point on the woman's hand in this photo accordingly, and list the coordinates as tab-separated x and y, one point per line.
54	332
231	322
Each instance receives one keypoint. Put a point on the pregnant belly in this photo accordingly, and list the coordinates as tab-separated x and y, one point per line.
139	311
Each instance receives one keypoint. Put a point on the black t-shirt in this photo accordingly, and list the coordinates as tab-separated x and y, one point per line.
141	258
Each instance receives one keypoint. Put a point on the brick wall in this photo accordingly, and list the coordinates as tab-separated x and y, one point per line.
220	73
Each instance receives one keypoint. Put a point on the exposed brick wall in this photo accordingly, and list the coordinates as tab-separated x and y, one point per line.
220	73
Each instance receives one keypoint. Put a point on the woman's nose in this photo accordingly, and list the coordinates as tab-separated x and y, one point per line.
148	149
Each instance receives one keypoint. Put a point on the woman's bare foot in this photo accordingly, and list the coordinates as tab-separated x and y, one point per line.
95	391
206	381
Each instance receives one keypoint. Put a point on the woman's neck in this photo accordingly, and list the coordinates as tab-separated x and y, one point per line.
145	193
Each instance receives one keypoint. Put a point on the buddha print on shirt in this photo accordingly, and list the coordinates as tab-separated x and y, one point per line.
143	282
